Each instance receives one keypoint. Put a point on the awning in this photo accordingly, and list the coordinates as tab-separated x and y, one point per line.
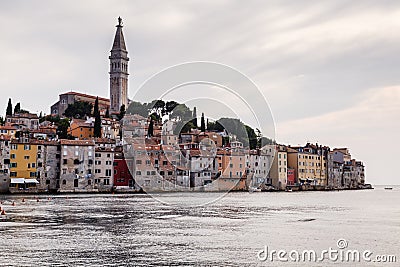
17	180
31	181
23	181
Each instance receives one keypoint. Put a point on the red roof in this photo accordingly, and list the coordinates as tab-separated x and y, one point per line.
85	95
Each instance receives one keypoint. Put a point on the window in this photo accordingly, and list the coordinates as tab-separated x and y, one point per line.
33	165
33	174
26	157
13	174
108	172
106	181
169	172
97	155
108	155
27	147
64	182
13	165
97	171
148	172
89	182
147	162
138	173
14	147
90	162
64	171
64	161
13	156
47	182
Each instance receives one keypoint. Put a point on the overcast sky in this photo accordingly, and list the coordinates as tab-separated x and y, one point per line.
329	69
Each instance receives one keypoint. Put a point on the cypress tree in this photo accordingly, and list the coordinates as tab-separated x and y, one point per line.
17	108
107	113
122	112
203	124
97	122
150	130
9	108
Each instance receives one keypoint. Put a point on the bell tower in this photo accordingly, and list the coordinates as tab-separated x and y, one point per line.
118	71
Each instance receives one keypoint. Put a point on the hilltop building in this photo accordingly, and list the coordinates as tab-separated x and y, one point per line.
72	97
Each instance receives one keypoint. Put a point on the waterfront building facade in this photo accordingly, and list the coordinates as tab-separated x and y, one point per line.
77	166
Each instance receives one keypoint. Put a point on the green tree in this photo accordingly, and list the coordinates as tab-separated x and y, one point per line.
78	110
17	108
9	108
107	113
181	113
62	129
1	121
203	124
97	119
182	127
252	137
138	108
121	112
170	106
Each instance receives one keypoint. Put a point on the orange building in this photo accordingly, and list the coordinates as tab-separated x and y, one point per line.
81	129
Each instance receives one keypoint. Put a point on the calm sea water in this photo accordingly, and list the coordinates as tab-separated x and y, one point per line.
137	230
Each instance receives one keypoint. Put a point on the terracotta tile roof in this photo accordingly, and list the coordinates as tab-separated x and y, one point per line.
7	128
88	96
77	142
104	141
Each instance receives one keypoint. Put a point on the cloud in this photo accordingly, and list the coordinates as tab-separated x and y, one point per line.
370	128
308	57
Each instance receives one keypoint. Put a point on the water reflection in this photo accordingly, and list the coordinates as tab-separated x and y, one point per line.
137	230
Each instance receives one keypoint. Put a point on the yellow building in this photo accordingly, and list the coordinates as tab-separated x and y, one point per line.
23	164
309	165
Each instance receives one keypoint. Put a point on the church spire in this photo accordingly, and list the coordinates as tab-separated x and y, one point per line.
118	71
119	41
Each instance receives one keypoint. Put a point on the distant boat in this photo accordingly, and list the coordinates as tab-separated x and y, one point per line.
388	188
254	189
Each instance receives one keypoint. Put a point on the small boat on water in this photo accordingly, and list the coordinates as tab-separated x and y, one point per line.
388	188
254	189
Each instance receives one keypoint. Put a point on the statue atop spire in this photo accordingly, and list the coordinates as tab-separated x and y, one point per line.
119	22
